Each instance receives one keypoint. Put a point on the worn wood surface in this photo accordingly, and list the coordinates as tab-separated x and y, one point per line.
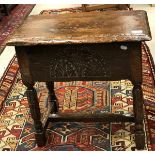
86	27
52	97
85	46
92	7
36	115
136	79
75	62
92	117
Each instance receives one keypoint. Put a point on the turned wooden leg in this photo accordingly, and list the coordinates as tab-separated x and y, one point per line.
52	96
136	78
23	59
139	116
35	112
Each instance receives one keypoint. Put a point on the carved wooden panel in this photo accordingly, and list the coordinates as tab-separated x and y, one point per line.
79	62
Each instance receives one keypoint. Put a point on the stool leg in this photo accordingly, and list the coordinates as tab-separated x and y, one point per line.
23	59
35	112
52	96
139	116
136	78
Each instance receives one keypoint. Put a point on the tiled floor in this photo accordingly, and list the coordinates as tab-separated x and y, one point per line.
8	53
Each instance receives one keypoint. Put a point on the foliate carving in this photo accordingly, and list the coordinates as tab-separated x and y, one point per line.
79	62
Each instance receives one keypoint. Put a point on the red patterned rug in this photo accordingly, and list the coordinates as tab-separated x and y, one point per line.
11	22
16	129
17	133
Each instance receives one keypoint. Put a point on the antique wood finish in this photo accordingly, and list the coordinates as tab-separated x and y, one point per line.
35	112
31	95
52	96
81	62
136	78
92	7
76	47
47	63
86	27
98	117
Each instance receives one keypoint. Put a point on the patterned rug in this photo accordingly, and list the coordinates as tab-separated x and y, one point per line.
17	133
11	22
16	129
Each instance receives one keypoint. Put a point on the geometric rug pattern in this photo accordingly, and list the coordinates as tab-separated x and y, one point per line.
16	124
9	23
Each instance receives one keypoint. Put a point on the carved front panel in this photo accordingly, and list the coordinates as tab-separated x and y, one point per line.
79	62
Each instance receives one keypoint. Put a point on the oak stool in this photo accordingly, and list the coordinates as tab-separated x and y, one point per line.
83	46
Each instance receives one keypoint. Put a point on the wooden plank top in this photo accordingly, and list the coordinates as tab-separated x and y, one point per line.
85	27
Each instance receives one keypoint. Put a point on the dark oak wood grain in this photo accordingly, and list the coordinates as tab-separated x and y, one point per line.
92	7
136	78
81	62
98	117
82	46
52	97
86	27
36	115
